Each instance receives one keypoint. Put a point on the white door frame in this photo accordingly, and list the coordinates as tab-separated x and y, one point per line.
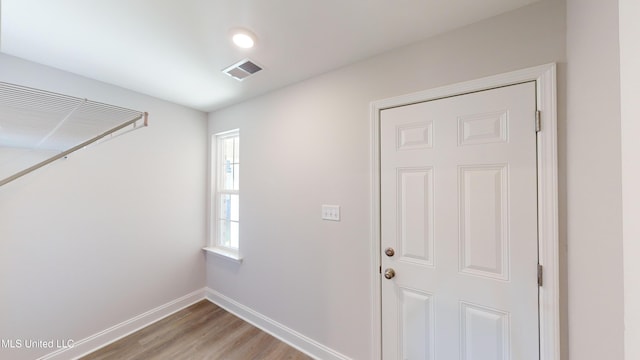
545	78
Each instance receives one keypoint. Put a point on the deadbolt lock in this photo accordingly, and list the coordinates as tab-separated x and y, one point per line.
389	252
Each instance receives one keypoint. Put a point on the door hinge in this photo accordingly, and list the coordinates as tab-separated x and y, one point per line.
538	121
539	275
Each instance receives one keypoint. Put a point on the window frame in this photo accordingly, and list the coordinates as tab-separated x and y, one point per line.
216	246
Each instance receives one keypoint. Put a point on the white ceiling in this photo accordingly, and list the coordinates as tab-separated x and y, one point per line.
175	49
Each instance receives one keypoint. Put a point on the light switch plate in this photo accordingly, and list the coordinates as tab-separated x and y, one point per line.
331	212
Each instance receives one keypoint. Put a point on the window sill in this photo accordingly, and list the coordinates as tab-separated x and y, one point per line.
224	253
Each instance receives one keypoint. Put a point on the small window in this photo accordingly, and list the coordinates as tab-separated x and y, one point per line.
227	191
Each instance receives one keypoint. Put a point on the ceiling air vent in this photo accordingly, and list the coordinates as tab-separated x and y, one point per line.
242	69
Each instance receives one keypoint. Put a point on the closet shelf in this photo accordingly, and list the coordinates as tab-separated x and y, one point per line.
38	127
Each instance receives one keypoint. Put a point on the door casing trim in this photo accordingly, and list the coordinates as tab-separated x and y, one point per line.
548	226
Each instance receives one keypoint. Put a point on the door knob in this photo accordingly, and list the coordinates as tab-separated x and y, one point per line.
389	252
389	273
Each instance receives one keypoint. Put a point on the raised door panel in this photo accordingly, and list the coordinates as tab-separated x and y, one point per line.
484	229
415	135
417	327
485	333
415	215
483	128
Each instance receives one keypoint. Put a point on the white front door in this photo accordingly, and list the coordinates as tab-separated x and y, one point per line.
459	223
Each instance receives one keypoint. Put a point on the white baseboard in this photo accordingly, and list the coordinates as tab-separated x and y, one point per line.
272	327
116	332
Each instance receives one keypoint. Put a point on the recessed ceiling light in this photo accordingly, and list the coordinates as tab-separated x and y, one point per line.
243	38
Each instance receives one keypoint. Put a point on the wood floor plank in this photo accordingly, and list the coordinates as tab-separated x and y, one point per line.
203	331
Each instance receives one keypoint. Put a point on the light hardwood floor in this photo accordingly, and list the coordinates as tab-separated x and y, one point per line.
201	331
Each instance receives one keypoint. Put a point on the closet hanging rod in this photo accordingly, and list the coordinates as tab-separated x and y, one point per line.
37	166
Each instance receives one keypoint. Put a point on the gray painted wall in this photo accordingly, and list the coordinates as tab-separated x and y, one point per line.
108	234
593	182
71	268
630	111
308	145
